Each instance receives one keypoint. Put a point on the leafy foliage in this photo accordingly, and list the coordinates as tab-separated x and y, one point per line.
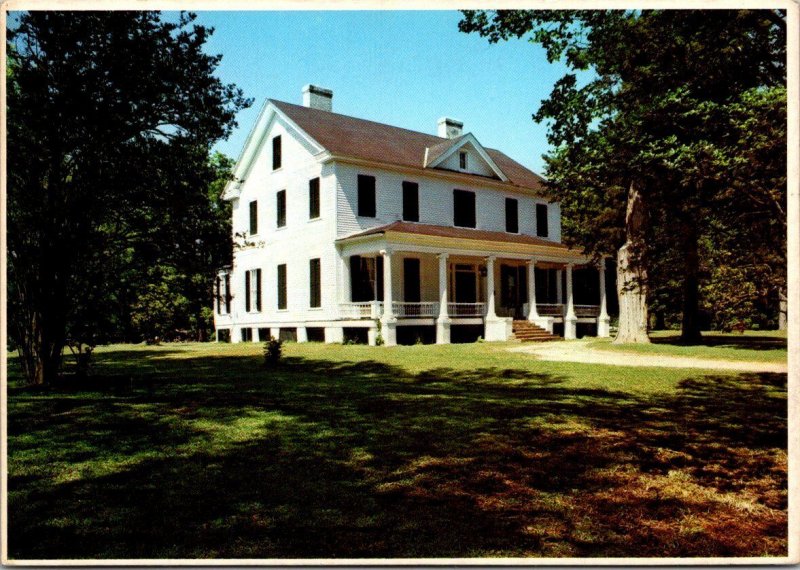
111	117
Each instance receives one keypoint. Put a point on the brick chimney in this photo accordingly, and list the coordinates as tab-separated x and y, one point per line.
317	98
449	128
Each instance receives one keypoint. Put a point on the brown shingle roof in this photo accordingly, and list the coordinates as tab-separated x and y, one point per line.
459	233
357	138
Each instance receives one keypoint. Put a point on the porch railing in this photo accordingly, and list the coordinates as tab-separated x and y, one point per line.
587	310
466	309
362	310
423	309
550	310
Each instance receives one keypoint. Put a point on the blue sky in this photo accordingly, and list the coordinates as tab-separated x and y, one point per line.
402	68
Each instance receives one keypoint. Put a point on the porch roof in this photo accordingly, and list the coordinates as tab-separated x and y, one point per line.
397	231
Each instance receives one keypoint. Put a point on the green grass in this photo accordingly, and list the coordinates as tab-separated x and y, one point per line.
184	451
752	346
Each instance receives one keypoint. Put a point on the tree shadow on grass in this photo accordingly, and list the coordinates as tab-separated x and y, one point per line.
221	458
746	342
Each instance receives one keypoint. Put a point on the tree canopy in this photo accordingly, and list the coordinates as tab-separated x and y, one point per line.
687	107
111	117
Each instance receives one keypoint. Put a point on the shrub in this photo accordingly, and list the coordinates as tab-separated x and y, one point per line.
273	349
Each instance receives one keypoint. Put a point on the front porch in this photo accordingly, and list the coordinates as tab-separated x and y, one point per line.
455	288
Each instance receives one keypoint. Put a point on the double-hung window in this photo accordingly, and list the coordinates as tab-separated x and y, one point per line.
280	208
253	217
277	153
252	290
512	216
462	160
282	286
541	220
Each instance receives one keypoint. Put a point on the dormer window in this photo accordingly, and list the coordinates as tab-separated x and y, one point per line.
462	160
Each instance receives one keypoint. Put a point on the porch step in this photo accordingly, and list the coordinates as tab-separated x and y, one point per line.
526	331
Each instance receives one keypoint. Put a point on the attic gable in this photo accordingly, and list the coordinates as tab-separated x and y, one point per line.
463	154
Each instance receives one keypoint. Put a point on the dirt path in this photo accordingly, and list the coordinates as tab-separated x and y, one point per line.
579	352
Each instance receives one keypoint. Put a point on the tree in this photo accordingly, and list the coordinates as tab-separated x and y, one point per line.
653	116
110	120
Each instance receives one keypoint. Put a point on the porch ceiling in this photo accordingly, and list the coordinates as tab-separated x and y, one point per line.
450	239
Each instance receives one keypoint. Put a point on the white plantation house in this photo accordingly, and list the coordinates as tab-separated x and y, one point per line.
350	229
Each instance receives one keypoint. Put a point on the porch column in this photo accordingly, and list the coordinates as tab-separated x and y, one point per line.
533	314
388	322
443	321
570	320
603	322
490	312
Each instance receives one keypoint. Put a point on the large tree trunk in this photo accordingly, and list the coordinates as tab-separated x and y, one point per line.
783	307
690	323
632	275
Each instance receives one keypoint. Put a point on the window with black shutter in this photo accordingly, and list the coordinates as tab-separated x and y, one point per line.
253	217
463	208
258	289
411	201
281	208
276	153
313	198
247	291
366	196
218	295
541	220
282	286
512	216
315	285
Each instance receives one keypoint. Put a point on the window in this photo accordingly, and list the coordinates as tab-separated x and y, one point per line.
463	208
281	208
276	153
512	216
253	217
313	198
282	286
247	334
541	220
411	280
366	278
218	294
462	160
411	201
252	290
314	284
366	196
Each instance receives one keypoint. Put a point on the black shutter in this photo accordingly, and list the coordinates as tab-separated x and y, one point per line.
281	208
246	290
512	216
282	286
254	217
258	290
541	220
366	196
218	295
228	293
313	198
463	208
315	283
411	201
276	153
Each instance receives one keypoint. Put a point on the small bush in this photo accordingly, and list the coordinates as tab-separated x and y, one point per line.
273	349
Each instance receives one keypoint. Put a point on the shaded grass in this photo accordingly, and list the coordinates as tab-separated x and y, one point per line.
423	451
751	346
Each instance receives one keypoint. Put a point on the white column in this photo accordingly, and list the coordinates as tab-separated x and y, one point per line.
236	334
388	322
570	320
254	334
532	312
345	292
603	322
490	312
443	321
302	334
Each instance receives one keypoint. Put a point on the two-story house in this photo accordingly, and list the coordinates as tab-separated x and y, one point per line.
347	228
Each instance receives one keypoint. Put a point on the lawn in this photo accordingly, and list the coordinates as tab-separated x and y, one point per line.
753	346
195	450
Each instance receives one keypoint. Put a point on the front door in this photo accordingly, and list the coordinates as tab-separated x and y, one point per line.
411	280
514	289
466	284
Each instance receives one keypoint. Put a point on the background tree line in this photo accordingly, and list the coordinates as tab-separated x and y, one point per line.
115	226
669	155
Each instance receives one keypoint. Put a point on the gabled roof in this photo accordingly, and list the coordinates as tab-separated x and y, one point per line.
436	155
350	137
